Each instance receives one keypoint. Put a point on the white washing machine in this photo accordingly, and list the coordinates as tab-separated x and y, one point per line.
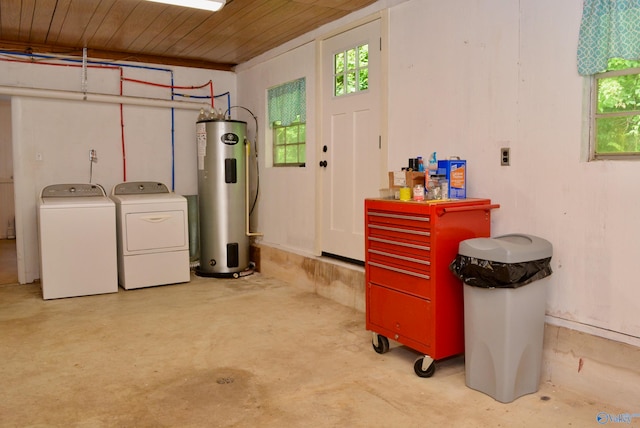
77	231
153	235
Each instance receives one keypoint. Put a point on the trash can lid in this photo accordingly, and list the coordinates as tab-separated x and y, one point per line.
512	248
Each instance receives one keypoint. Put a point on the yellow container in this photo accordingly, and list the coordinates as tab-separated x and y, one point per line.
405	193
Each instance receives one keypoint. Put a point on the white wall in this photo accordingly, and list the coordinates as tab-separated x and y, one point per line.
286	214
467	78
6	170
61	133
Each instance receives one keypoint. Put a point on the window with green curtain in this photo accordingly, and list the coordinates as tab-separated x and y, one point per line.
609	29
608	50
288	102
287	118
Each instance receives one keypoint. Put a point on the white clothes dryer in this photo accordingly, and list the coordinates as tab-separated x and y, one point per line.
77	237
153	235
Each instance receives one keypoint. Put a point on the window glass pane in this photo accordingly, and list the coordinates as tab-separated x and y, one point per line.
279	154
292	154
339	85
363	55
621	64
339	63
351	59
302	155
303	133
351	82
618	134
280	136
363	79
292	134
620	93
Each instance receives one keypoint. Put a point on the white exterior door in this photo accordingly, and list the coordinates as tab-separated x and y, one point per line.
351	129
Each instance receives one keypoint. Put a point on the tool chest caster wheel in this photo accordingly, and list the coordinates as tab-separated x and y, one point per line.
380	343
418	367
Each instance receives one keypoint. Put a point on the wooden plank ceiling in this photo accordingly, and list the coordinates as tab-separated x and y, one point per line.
138	30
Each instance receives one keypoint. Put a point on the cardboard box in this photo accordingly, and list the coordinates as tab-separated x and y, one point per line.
398	179
455	172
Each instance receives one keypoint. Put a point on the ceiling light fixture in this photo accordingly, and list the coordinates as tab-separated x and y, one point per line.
211	5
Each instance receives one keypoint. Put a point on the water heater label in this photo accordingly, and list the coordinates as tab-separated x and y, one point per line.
230	139
201	140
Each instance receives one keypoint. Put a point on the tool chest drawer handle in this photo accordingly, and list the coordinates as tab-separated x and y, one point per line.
406	272
401	244
399	216
396	256
468	208
399	229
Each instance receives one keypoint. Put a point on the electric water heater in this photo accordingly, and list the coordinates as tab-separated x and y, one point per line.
224	244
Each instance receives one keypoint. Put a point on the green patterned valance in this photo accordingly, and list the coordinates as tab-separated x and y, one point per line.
287	103
609	29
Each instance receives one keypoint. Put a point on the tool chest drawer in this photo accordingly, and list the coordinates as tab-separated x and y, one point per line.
399	234
411	322
410	249
401	279
400	220
402	262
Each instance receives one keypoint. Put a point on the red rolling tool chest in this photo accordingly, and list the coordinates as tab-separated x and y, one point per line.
412	297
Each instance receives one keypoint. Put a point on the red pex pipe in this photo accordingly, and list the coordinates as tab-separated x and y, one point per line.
211	91
124	152
128	79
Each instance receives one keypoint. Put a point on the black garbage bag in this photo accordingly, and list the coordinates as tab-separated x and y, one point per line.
492	274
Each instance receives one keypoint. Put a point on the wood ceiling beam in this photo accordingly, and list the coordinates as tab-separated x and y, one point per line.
96	54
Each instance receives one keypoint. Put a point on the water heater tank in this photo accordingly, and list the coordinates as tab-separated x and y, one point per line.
224	244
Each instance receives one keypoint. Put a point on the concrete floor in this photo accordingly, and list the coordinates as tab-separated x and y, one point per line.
8	262
249	352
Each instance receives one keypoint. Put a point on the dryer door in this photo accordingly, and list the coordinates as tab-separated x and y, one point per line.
156	231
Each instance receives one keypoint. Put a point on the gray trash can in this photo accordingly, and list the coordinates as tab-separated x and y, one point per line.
504	308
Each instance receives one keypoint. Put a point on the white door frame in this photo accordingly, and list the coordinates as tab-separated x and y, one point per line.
383	16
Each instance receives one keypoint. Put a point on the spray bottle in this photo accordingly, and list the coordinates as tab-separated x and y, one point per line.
433	164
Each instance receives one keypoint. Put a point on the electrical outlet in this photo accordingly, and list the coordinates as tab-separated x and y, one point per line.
505	157
38	156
